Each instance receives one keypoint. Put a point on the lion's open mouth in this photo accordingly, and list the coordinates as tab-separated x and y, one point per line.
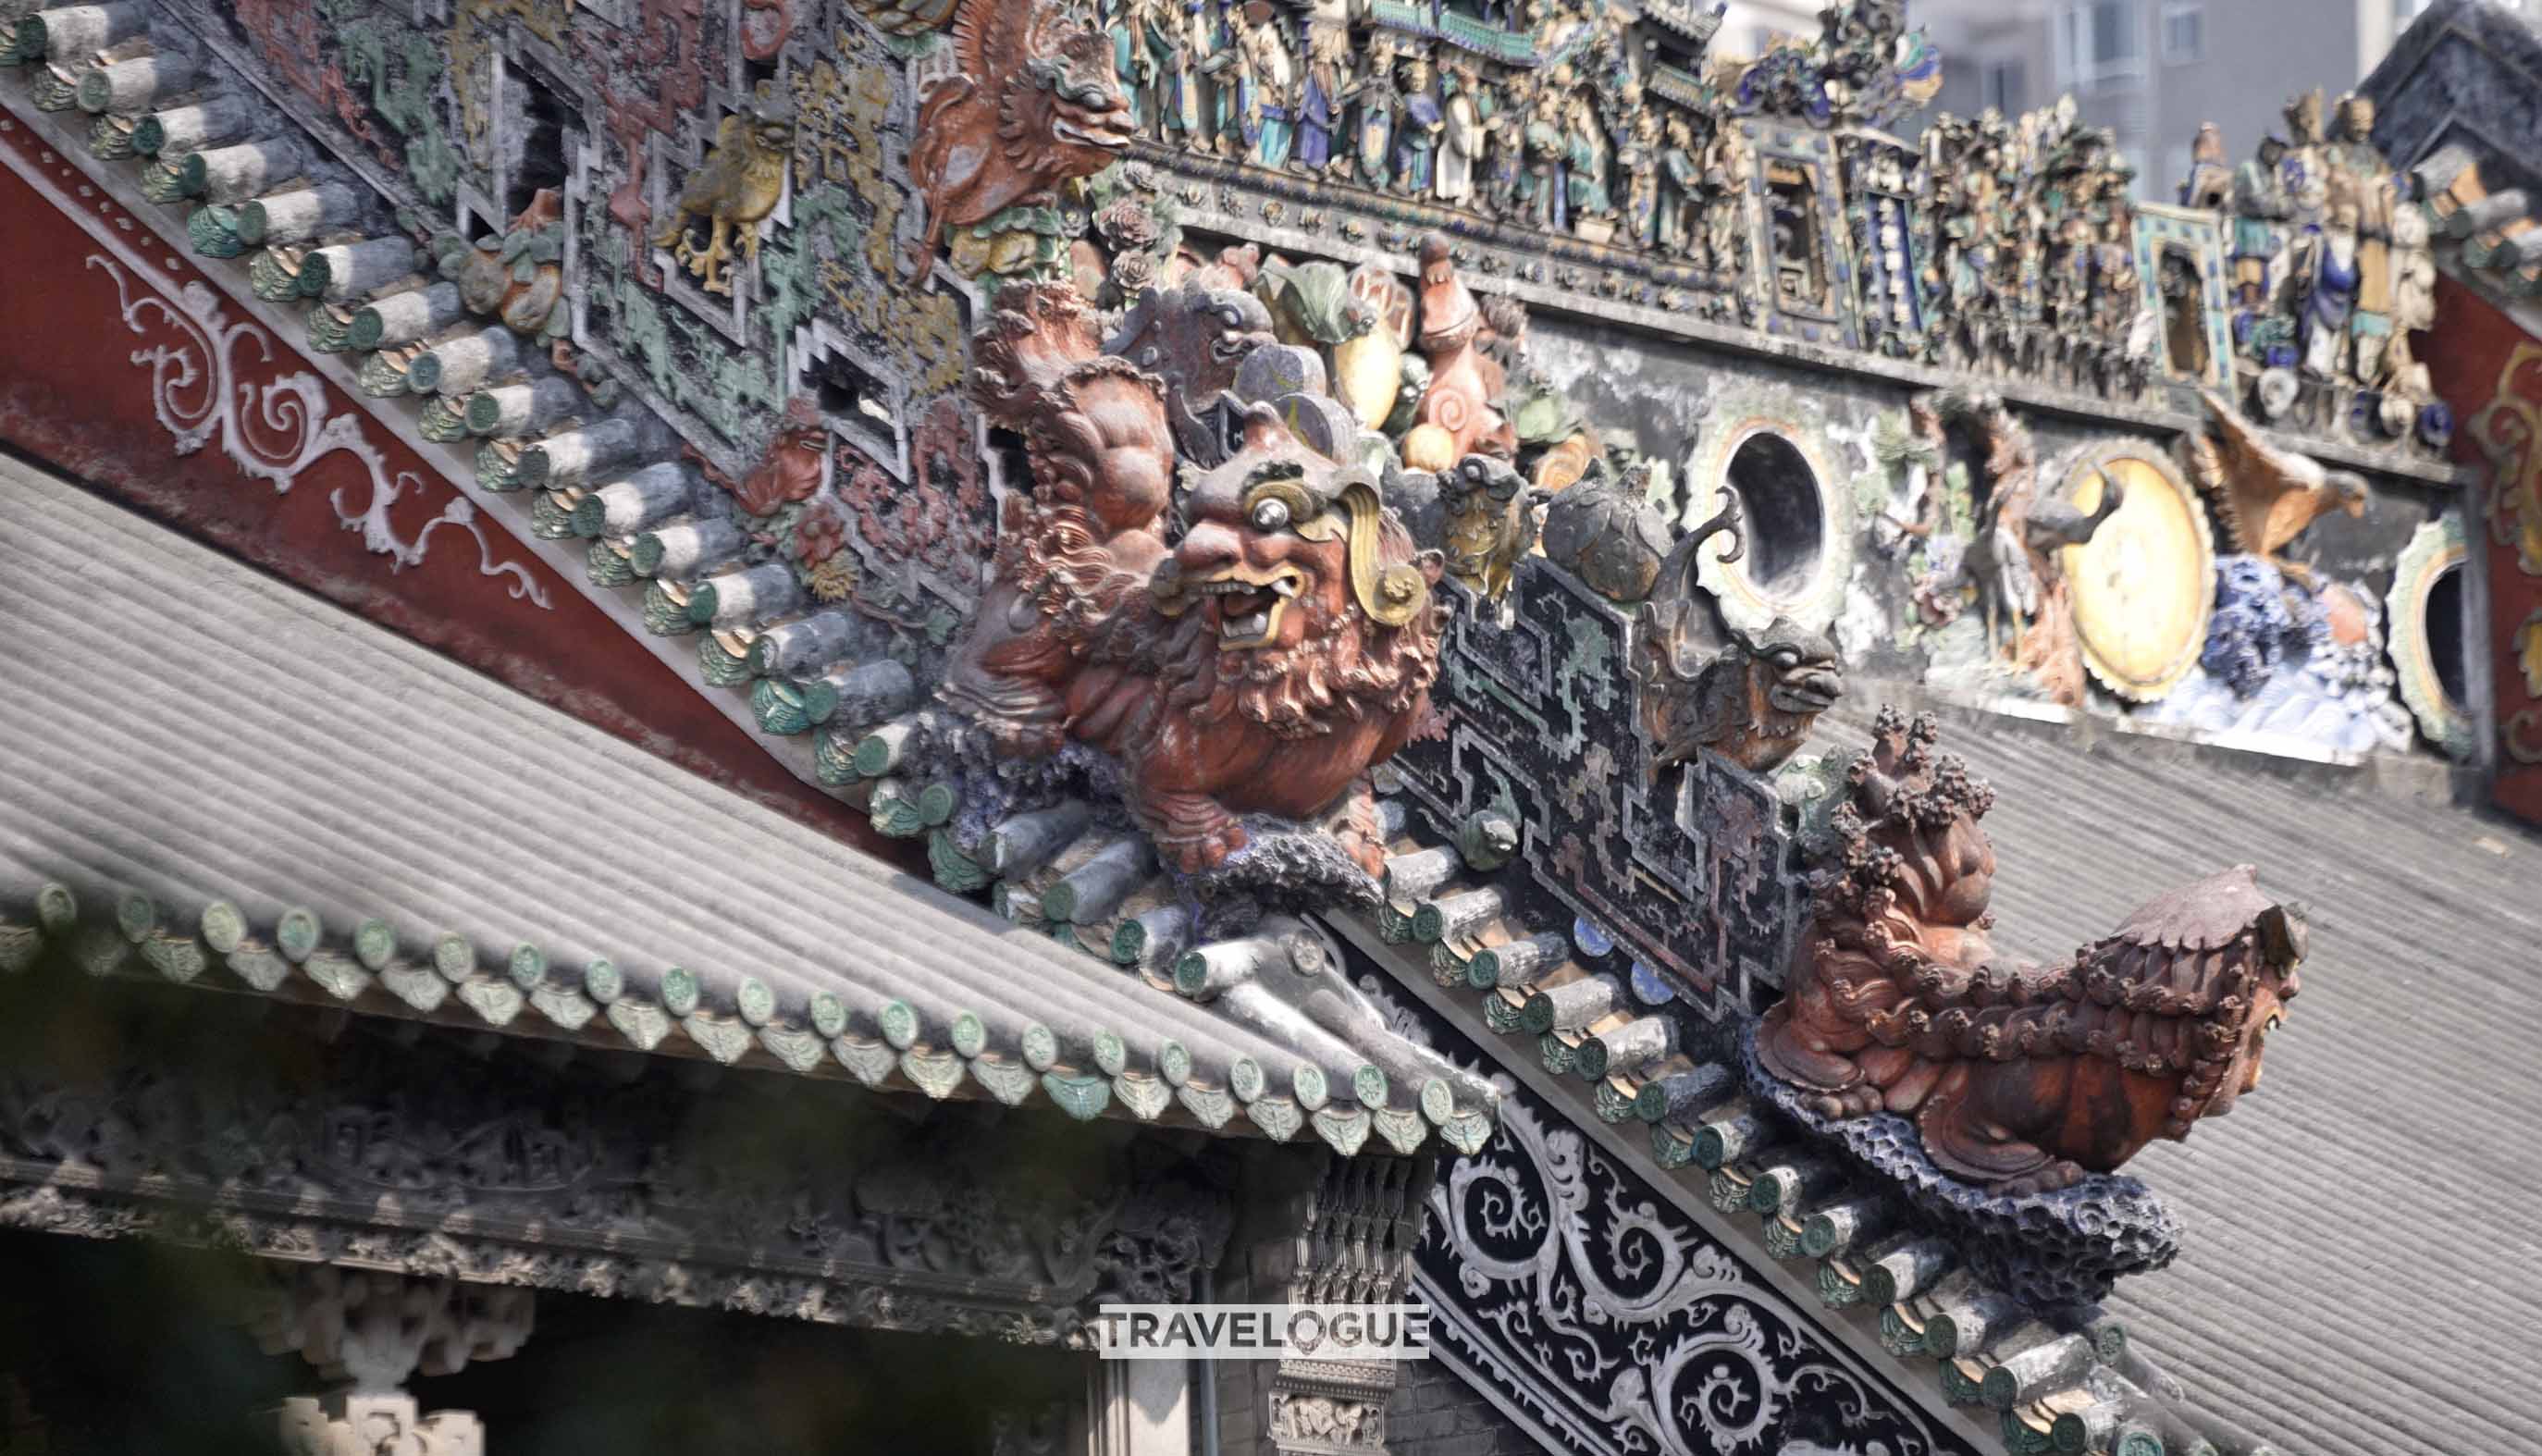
1248	603
1808	691
1108	130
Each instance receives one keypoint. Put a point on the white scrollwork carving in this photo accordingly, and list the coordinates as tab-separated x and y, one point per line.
276	428
1557	1277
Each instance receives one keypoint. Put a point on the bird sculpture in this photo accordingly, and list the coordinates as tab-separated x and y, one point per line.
2265	495
2056	523
741	183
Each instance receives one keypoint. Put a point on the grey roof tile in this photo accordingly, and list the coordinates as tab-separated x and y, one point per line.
184	728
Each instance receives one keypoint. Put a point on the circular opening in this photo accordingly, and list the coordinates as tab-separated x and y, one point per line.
2445	635
1779	494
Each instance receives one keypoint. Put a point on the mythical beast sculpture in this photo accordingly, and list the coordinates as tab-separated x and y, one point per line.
1074	555
1031	104
1751	697
1283	646
2020	1077
1304	652
1489	512
742	182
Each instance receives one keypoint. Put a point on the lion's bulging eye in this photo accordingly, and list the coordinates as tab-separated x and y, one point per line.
1271	514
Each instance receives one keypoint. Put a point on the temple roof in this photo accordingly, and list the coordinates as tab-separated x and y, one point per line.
327	812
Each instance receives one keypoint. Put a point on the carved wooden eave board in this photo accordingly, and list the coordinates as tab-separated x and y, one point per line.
297	828
307	1137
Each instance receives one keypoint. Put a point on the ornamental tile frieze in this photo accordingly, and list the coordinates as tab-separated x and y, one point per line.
415	1158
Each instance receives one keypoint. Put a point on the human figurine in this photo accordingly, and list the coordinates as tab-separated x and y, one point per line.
2329	271
1417	129
1639	160
1378	103
1725	185
2413	269
1465	108
1547	205
2260	214
2209	183
1134	29
2414	305
1679	229
2305	168
1328	77
1269	80
2350	146
1584	150
1181	89
1505	175
2117	289
2355	157
1224	64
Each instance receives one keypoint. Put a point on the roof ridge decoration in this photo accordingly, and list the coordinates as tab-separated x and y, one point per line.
1220	498
470	348
1237	452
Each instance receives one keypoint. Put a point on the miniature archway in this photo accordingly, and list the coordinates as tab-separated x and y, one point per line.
2427	643
1796	507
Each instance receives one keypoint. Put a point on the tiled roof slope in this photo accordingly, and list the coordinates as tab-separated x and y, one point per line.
2357	1275
324	809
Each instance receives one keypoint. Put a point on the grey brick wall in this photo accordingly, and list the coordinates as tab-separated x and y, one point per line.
1435	1412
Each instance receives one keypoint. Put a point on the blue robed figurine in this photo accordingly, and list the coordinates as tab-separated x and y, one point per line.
1320	99
1416	137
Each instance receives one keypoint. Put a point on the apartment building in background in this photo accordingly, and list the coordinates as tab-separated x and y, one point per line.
2153	71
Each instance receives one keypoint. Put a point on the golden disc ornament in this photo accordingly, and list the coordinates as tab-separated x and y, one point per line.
2144	585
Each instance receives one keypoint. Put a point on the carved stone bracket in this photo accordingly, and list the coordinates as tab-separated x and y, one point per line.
372	1330
1342	1231
376	1330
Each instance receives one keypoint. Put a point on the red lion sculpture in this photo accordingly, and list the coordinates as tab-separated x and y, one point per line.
1284	646
2021	1077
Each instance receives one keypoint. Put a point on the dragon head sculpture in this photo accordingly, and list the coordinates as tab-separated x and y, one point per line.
1751	697
1074	103
2019	1078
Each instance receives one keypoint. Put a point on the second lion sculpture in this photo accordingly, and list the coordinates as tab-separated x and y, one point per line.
2020	1077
